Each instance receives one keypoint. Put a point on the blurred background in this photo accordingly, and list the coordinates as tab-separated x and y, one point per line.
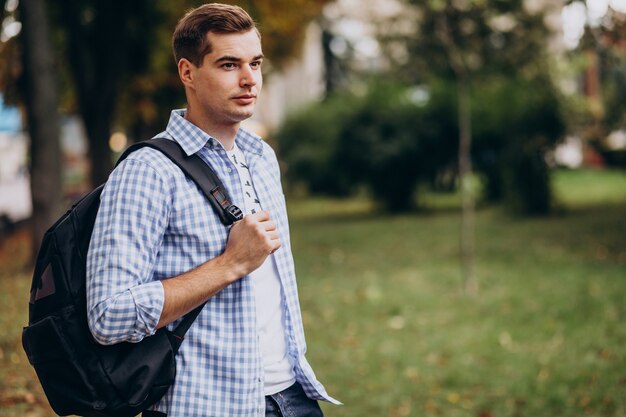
455	173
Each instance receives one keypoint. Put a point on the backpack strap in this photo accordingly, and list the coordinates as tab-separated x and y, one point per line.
206	179
199	171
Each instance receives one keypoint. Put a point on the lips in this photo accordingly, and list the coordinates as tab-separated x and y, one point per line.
245	99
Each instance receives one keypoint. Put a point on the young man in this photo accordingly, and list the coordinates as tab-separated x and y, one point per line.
158	250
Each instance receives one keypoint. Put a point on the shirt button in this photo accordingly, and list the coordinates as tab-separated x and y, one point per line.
230	170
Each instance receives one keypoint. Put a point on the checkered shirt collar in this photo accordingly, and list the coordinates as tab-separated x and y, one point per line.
192	138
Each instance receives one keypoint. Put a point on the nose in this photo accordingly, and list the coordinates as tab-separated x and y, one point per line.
248	78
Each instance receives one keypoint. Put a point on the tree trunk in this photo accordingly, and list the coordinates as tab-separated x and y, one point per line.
470	285
98	127
40	93
459	66
96	56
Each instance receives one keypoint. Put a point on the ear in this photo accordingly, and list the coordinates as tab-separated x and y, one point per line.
186	72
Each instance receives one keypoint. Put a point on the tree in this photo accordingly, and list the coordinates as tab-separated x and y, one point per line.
41	98
496	37
103	44
458	64
471	42
283	24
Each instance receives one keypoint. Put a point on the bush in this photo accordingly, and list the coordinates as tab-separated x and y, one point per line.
307	144
390	142
515	123
383	140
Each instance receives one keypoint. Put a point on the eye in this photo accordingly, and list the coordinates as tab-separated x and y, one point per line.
255	64
229	66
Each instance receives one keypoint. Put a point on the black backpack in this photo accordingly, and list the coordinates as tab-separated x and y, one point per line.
79	376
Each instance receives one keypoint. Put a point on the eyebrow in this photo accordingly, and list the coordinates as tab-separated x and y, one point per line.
228	58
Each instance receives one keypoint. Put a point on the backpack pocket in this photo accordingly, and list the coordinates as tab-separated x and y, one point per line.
141	372
59	369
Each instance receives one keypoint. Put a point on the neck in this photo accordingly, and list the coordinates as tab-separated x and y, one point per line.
223	133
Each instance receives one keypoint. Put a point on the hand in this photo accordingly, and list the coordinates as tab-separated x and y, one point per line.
251	241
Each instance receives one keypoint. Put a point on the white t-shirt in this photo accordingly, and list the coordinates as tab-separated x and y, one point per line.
279	373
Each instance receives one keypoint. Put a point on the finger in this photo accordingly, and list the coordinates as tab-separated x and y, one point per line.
273	235
260	216
275	247
269	225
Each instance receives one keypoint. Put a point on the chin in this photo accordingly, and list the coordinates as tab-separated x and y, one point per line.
240	117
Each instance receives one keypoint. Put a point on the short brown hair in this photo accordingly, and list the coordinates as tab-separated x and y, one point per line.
190	41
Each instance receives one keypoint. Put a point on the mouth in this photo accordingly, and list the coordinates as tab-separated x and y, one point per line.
245	99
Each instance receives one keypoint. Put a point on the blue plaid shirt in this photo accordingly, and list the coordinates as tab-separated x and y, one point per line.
154	223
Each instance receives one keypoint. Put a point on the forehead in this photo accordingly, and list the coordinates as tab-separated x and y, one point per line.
240	45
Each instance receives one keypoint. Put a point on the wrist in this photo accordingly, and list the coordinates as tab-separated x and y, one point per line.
231	270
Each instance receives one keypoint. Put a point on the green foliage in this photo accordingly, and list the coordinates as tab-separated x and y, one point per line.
307	143
516	123
491	36
283	24
498	47
390	141
382	140
391	144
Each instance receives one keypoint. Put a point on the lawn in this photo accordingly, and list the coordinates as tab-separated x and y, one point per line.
390	332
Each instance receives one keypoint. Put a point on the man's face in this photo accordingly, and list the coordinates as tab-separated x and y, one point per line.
227	84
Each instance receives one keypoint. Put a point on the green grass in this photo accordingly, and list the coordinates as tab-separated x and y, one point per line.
390	332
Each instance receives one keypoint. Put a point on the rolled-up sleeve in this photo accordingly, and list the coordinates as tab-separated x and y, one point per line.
124	301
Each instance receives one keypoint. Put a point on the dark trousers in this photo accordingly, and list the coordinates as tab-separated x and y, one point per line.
292	402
